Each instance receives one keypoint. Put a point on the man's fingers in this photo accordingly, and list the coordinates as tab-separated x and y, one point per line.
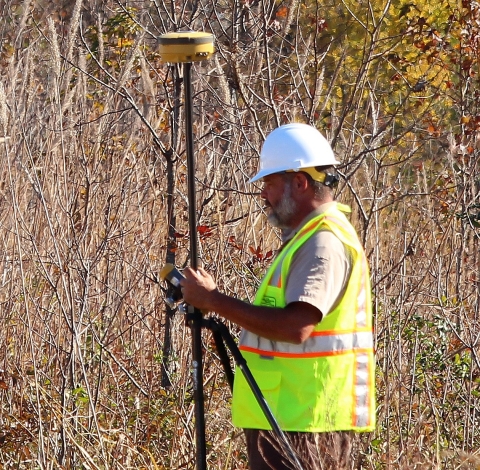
189	273
203	272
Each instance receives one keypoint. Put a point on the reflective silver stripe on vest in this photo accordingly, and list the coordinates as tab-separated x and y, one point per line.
361	317
345	341
361	392
317	343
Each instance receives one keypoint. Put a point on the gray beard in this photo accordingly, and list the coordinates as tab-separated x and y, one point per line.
282	214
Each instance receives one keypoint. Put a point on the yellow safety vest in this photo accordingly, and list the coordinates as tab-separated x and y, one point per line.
326	383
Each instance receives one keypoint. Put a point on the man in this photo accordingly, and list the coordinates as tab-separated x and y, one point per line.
307	338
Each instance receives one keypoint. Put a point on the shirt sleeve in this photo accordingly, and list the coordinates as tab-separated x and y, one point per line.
319	272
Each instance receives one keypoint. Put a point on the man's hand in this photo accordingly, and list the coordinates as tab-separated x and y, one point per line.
198	288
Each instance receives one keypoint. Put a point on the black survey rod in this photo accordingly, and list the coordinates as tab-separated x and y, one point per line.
192	213
194	317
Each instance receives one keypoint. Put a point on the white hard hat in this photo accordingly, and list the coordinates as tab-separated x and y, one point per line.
293	147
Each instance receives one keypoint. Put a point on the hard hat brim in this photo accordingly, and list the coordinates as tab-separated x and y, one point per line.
262	173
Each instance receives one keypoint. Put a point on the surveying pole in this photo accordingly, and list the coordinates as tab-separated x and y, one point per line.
186	47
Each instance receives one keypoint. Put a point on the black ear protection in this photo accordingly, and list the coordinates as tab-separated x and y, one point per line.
331	180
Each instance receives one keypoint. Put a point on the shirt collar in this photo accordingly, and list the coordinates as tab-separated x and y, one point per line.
289	233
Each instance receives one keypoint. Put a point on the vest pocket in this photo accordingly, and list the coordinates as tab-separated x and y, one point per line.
246	412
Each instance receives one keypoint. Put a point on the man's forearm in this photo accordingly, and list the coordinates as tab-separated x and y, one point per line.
292	324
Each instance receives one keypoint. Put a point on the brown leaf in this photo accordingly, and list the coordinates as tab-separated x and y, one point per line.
282	12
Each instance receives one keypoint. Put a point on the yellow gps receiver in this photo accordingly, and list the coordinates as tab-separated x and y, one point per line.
185	46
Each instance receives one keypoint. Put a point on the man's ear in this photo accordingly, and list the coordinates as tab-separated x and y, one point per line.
300	181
